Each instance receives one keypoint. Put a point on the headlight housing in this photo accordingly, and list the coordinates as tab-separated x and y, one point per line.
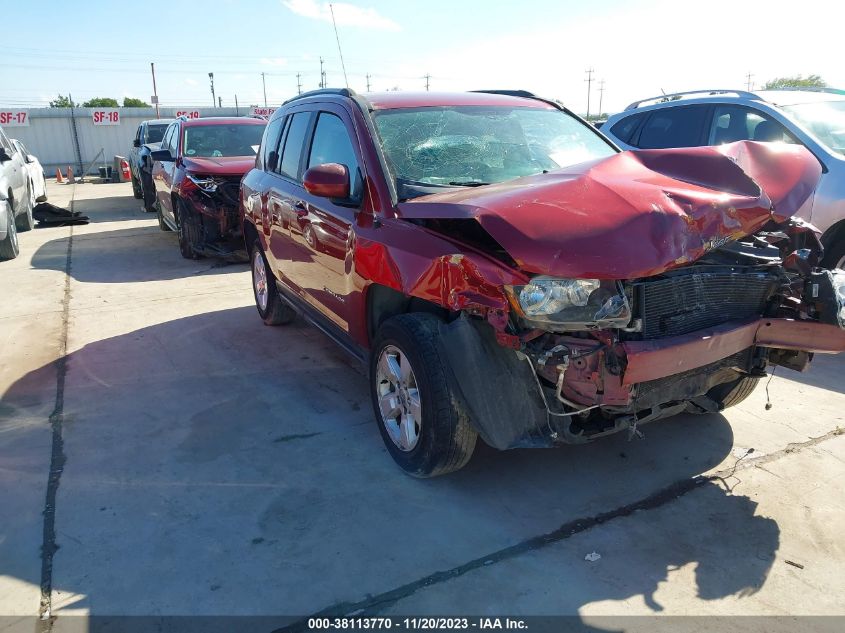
205	183
571	304
826	290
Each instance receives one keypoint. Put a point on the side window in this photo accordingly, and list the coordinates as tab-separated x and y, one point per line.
331	144
138	132
736	123
165	141
4	141
173	143
294	141
676	126
624	128
270	144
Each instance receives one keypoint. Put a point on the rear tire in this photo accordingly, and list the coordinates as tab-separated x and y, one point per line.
148	192
410	384
25	221
161	223
9	247
271	308
190	231
730	394
136	188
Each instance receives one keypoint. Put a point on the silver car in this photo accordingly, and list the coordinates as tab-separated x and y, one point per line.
813	118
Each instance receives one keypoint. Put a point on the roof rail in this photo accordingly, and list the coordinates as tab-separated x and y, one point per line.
510	93
342	92
677	95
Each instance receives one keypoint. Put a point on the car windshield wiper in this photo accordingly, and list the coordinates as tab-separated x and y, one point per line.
468	183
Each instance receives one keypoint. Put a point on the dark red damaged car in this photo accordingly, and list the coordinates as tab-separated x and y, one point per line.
197	175
506	272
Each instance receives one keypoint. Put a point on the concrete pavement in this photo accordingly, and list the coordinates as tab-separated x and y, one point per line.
212	465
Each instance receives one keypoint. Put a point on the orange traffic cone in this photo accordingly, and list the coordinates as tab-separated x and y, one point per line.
70	174
59	178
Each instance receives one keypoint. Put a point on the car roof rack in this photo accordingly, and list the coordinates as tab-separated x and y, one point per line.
677	95
341	92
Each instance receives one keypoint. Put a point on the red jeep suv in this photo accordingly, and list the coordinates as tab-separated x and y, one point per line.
197	174
507	272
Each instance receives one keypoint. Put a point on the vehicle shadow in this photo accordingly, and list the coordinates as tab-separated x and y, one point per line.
232	473
135	254
826	372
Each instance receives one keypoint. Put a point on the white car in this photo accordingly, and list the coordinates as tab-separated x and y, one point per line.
37	182
812	118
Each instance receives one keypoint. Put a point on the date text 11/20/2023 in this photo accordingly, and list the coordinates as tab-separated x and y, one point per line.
418	623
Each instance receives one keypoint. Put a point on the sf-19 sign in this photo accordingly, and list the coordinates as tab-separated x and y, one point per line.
108	116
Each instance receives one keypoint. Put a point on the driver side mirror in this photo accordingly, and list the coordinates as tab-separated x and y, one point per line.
330	180
4	155
29	159
136	143
161	155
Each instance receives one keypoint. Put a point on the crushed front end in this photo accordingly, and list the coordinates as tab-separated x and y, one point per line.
215	201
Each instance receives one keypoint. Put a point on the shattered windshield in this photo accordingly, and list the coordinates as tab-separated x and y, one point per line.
212	141
825	119
464	146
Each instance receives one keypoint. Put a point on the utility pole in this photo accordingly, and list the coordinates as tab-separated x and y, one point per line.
601	95
237	113
748	83
155	92
322	74
219	102
213	97
368	82
427	80
264	85
298	83
589	81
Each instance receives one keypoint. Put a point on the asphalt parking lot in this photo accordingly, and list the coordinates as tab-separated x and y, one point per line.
174	456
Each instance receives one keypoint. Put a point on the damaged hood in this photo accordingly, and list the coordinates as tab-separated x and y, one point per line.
634	214
221	166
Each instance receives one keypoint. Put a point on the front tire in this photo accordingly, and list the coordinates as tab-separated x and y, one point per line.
25	221
834	256
148	192
271	308
730	394
420	416
9	247
190	231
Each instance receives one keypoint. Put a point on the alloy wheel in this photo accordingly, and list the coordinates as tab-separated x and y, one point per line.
259	280
399	398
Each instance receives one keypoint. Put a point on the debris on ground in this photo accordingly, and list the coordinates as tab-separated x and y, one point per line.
794	564
50	215
592	557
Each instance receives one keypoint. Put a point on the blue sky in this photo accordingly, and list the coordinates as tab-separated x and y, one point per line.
637	48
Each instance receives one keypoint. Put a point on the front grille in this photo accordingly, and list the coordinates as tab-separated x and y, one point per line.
690	301
230	192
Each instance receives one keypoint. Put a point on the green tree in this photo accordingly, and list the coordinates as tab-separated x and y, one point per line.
101	102
132	102
798	81
63	102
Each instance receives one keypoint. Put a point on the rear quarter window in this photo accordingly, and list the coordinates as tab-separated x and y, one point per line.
678	126
624	128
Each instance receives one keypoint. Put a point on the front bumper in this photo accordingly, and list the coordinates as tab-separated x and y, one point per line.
651	360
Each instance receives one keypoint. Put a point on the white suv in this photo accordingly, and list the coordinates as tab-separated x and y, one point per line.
813	118
15	197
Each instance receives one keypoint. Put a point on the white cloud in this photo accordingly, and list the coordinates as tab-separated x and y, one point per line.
344	14
273	61
192	82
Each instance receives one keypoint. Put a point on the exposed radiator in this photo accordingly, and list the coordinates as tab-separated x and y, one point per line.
688	302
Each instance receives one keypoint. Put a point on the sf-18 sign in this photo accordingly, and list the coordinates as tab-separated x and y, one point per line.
262	112
14	118
106	116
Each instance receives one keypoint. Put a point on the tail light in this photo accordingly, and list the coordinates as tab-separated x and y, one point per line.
124	170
